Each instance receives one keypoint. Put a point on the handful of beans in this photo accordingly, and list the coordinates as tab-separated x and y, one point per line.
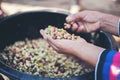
59	33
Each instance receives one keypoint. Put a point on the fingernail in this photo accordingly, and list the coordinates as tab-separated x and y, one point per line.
69	18
45	37
67	26
41	32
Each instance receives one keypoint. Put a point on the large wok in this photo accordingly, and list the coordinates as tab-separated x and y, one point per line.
19	26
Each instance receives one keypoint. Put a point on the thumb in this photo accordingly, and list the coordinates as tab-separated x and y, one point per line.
48	38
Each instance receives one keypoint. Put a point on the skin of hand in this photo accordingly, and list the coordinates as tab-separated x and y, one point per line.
80	48
89	21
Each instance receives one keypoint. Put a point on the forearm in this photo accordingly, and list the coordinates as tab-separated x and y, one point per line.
89	53
109	23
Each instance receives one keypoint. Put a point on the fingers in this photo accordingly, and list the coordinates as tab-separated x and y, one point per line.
77	27
53	43
77	21
43	34
54	47
76	17
67	26
72	26
72	18
47	37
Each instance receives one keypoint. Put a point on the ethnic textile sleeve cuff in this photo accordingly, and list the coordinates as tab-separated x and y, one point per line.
103	66
119	28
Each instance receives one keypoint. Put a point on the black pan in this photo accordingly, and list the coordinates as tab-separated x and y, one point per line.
27	25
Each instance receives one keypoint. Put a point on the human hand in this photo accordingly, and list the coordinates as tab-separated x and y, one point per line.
64	45
79	48
84	21
89	21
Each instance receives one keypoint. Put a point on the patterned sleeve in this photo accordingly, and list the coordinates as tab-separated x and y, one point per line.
108	66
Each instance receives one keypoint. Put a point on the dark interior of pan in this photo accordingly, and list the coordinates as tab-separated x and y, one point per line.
27	25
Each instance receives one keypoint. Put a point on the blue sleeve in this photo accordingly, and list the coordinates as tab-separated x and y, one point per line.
108	62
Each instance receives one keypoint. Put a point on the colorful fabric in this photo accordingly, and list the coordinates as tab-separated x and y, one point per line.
108	66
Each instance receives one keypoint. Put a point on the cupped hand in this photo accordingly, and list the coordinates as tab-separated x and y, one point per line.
79	48
64	45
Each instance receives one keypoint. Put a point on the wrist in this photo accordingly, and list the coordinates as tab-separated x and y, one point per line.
109	23
119	28
89	53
